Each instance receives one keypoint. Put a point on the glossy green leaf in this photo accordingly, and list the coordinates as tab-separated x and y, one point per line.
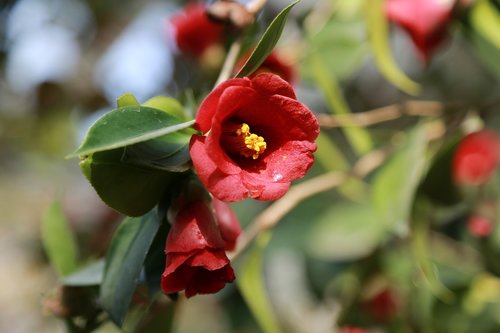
128	188
395	184
378	34
166	104
345	232
486	20
58	240
358	137
252	287
124	261
90	275
126	100
267	42
126	126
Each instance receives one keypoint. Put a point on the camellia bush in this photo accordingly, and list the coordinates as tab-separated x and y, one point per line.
353	142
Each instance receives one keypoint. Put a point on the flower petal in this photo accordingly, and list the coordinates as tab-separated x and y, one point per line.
271	84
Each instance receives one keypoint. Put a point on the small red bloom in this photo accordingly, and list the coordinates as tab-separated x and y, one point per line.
352	329
194	32
196	261
259	139
383	307
479	226
476	158
273	64
425	20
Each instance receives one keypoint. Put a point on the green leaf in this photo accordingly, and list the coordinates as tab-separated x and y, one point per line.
166	104
252	287
126	126
267	42
128	188
396	182
486	20
58	240
90	275
345	232
126	100
124	261
378	34
358	137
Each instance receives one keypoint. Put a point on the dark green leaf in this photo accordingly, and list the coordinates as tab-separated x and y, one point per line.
130	189
126	126
154	265
124	261
58	240
90	275
267	42
126	100
251	284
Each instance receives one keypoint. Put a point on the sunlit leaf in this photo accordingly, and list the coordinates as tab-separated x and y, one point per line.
251	284
378	33
126	126
486	20
358	137
124	261
90	275
126	100
395	183
166	104
267	42
58	240
345	232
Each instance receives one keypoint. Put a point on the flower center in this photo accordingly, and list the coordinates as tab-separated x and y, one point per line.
241	141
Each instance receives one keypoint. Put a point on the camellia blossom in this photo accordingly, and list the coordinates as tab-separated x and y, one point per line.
259	138
479	226
196	260
272	64
228	223
476	158
194	32
425	20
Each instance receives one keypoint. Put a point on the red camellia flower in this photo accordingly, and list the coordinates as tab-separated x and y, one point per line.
228	223
259	138
479	226
196	260
476	158
194	32
425	20
272	64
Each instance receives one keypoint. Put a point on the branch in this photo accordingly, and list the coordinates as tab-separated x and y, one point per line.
387	113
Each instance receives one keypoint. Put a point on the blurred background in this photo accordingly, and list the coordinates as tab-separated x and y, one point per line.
63	63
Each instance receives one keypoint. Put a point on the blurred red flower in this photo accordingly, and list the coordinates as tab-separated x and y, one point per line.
272	64
196	260
228	223
259	138
476	158
479	226
193	30
425	20
383	307
352	329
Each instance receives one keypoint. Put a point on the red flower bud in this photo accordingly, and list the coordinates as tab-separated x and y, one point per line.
383	306
273	64
476	158
196	261
479	226
194	32
228	223
259	139
425	20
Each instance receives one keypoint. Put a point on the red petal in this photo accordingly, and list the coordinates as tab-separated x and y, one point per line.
272	84
210	104
210	259
228	223
223	186
209	282
177	280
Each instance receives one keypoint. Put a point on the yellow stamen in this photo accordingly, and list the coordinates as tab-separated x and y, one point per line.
254	145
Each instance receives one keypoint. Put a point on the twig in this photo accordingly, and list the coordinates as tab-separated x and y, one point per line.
387	113
230	61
